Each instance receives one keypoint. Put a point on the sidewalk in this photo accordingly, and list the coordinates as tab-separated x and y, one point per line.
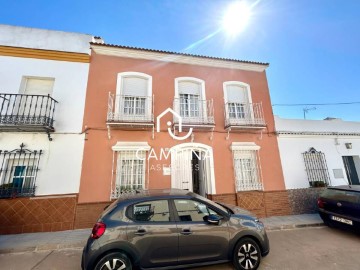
77	238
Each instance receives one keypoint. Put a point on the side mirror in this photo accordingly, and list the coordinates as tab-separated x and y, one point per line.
213	219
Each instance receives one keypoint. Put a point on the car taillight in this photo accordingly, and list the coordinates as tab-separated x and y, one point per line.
98	230
320	203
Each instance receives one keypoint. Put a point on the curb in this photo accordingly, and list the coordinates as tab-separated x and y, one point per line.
293	226
46	247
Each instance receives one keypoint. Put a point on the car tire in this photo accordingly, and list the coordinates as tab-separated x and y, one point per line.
116	260
247	255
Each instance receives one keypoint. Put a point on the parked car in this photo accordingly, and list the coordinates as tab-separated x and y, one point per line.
173	229
340	206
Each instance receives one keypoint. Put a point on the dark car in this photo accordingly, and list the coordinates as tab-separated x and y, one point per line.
340	206
172	229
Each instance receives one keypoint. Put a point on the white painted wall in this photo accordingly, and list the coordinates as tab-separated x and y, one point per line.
69	86
60	163
34	38
291	147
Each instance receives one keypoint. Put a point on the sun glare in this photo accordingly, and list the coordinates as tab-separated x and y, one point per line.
236	18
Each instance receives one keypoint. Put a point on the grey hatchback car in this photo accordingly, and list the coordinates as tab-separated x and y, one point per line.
172	229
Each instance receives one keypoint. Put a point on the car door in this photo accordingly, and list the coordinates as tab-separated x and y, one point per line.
199	241
153	232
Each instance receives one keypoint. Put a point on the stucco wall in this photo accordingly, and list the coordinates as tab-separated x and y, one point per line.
69	86
60	163
291	147
16	36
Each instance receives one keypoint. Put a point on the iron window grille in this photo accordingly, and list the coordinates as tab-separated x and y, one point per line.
18	172
27	110
247	171
130	172
316	168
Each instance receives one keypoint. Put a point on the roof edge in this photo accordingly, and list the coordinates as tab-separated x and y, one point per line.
168	56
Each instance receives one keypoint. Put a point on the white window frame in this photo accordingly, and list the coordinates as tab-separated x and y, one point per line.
128	151
119	94
226	101
202	96
242	152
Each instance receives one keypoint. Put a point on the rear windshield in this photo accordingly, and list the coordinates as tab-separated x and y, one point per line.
341	195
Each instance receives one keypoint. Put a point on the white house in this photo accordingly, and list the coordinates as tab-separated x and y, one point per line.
314	152
43	79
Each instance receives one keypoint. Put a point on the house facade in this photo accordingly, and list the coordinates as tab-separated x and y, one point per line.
317	153
43	78
156	119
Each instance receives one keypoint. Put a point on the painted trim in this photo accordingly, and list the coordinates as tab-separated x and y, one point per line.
241	146
175	58
247	86
128	146
121	75
191	79
44	54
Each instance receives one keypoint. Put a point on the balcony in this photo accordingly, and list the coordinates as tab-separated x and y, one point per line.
29	113
244	116
130	112
196	114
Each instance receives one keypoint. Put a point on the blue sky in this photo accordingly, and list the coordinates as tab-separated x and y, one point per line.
313	47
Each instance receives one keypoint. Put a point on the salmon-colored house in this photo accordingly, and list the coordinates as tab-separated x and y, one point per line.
156	119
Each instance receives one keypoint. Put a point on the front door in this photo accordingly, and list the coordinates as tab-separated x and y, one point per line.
350	169
153	233
199	241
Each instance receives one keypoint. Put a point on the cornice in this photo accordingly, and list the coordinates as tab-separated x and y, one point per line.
44	54
176	58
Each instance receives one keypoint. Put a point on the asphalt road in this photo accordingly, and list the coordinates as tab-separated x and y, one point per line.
308	248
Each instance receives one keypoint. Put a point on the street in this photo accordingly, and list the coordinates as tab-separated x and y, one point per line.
308	248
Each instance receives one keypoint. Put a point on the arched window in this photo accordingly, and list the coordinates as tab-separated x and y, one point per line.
237	100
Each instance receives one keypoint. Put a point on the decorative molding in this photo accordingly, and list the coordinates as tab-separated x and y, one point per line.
240	146
318	133
176	58
131	146
44	54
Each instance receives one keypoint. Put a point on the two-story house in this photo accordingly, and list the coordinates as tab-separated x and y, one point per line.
158	119
43	78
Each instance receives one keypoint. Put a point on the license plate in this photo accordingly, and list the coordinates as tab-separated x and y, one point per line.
342	220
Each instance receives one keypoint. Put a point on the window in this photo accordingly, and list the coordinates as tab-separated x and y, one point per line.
129	166
246	166
190	98
18	172
237	100
316	168
150	211
189	210
133	99
38	86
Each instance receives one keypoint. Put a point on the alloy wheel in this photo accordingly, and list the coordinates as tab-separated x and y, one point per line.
248	256
114	264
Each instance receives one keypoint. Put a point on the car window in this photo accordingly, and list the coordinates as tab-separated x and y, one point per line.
150	211
342	195
189	210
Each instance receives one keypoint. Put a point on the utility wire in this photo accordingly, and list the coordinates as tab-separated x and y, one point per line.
317	104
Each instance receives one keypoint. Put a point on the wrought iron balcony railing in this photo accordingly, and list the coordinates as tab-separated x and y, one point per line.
244	115
27	112
130	110
194	112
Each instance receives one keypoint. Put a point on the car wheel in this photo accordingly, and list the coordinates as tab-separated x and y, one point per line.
247	255
112	261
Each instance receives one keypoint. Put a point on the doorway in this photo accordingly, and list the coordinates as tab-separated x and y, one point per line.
351	164
192	168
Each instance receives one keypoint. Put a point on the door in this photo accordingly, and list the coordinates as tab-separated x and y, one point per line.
181	169
153	233
199	241
350	169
